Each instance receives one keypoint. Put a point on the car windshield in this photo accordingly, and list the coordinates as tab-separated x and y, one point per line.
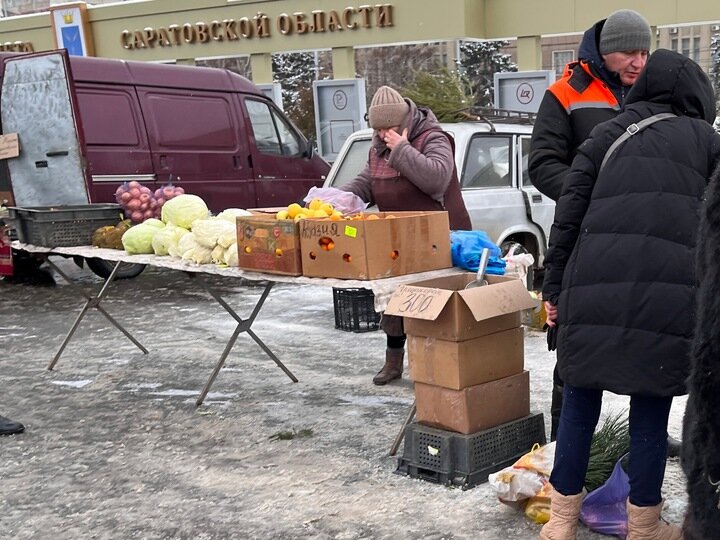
353	162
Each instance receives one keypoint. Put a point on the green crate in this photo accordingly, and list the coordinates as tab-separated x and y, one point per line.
62	226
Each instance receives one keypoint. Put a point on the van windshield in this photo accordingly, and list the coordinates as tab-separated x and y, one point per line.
353	162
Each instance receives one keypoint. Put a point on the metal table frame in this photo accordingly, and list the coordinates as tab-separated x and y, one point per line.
382	288
243	325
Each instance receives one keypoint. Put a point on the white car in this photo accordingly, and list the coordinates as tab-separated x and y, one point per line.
491	154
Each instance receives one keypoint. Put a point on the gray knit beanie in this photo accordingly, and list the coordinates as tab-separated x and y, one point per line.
625	30
387	109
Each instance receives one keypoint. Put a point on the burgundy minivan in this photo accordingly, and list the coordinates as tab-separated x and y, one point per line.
86	125
208	130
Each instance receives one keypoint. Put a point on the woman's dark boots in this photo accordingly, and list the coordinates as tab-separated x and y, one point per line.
393	367
10	427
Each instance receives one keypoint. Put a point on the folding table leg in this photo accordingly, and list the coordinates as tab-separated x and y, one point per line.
403	429
92	302
243	325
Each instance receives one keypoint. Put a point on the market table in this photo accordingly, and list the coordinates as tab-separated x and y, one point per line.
382	289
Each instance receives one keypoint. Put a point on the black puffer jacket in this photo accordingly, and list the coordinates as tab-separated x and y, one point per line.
621	258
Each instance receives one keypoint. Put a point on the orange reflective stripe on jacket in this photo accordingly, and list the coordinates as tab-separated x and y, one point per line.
580	89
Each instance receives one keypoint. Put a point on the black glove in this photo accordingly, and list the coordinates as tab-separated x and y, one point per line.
552	337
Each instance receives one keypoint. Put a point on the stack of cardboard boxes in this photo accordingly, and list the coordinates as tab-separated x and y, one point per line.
466	353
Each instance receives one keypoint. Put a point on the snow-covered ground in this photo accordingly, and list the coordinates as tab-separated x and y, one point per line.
115	447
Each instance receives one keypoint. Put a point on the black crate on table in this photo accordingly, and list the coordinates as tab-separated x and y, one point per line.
355	310
454	459
62	226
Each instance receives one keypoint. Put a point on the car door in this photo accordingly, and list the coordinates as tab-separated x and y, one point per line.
278	153
37	102
489	185
541	208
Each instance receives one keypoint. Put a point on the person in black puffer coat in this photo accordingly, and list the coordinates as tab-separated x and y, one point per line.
701	425
621	284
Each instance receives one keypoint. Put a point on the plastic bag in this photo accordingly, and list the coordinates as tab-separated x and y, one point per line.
466	246
343	201
527	477
517	264
538	507
603	510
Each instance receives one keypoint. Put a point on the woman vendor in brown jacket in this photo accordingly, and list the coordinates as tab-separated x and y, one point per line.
410	167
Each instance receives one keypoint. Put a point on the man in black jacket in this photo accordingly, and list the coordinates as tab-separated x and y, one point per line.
612	54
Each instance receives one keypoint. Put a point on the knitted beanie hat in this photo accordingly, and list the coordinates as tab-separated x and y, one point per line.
625	30
387	109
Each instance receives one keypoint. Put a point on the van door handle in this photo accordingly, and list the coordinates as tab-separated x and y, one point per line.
537	198
56	153
163	162
236	162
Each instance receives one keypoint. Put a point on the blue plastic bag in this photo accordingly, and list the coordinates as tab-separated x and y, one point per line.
466	246
604	509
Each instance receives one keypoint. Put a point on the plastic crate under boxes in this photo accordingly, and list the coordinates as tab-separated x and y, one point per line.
466	356
62	226
355	310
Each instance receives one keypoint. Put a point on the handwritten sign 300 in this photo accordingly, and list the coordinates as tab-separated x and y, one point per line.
416	299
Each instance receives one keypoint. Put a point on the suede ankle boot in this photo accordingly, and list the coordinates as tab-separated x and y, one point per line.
644	523
393	367
564	515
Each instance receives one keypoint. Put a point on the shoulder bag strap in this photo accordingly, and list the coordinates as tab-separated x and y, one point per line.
631	130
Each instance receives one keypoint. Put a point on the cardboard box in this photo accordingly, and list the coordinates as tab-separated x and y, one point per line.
269	245
474	408
443	309
459	364
376	248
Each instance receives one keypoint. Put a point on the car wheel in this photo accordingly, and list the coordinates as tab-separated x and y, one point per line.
103	268
516	248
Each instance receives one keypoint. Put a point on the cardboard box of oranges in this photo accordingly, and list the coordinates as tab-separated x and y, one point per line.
268	244
374	245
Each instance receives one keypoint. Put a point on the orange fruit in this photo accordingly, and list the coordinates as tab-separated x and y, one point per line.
293	210
372	216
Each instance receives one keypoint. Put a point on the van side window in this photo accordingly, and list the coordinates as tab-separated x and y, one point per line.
487	164
272	134
172	121
100	110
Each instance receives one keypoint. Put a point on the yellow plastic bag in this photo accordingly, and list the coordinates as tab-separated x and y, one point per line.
538	507
526	477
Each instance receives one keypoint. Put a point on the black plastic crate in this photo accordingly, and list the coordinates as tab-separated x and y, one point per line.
62	226
454	459
355	310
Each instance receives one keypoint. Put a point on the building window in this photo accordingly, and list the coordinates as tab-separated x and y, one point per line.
696	49
674	44
685	43
560	60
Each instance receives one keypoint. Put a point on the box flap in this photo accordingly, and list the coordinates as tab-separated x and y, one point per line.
418	302
500	297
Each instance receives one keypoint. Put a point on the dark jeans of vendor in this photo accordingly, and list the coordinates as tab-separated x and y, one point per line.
395	350
648	443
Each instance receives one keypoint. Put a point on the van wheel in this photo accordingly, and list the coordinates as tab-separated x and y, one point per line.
516	248
103	268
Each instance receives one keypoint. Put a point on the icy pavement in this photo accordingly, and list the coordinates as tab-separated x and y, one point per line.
116	449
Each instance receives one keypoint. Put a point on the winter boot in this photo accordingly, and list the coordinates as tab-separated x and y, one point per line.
644	523
564	514
10	427
393	367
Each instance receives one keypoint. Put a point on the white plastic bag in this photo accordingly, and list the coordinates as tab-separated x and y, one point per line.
526	477
343	201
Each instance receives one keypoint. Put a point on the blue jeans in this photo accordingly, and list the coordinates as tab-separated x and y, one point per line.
648	443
